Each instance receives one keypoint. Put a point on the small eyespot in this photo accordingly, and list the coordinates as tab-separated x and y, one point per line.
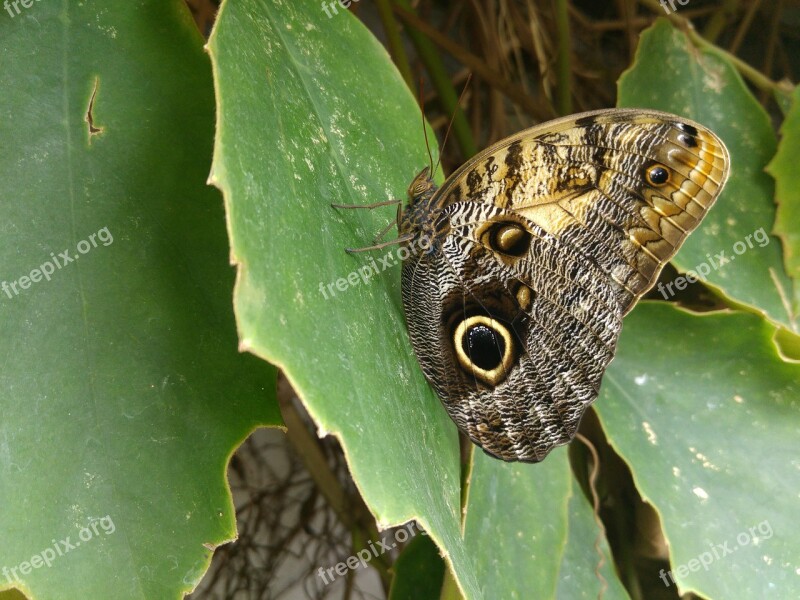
524	296
687	140
687	128
657	175
509	238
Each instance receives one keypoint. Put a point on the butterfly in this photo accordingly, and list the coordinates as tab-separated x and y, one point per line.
523	263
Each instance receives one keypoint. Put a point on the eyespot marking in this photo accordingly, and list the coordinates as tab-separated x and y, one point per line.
524	297
687	140
510	238
484	348
656	175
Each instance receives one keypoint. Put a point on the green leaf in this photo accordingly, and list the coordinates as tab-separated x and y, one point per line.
784	94
541	530
787	193
523	511
705	412
418	572
311	111
123	394
580	563
788	344
671	74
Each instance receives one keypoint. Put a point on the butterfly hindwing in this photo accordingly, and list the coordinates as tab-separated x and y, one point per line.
550	325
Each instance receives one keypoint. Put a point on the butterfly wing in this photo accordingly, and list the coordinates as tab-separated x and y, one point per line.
543	242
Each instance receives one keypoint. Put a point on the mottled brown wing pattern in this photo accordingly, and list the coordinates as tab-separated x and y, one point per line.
540	245
589	181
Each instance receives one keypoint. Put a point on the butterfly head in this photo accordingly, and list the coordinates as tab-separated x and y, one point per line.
421	188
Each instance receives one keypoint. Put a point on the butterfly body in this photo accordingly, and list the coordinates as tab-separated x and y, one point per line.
523	263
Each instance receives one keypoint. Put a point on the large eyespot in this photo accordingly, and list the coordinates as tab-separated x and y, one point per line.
509	237
657	175
484	348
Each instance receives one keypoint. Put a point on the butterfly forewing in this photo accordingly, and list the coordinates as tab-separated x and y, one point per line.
540	245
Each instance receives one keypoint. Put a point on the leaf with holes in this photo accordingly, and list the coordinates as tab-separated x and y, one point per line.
123	393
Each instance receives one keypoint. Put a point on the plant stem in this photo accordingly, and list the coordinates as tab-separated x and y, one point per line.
564	61
719	19
441	82
395	42
360	522
514	92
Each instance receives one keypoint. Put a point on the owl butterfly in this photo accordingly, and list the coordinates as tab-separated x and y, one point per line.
523	263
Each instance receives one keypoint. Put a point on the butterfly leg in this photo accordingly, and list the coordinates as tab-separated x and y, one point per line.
399	240
383	232
368	206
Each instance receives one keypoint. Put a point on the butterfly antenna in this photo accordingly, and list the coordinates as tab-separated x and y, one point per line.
424	128
450	124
